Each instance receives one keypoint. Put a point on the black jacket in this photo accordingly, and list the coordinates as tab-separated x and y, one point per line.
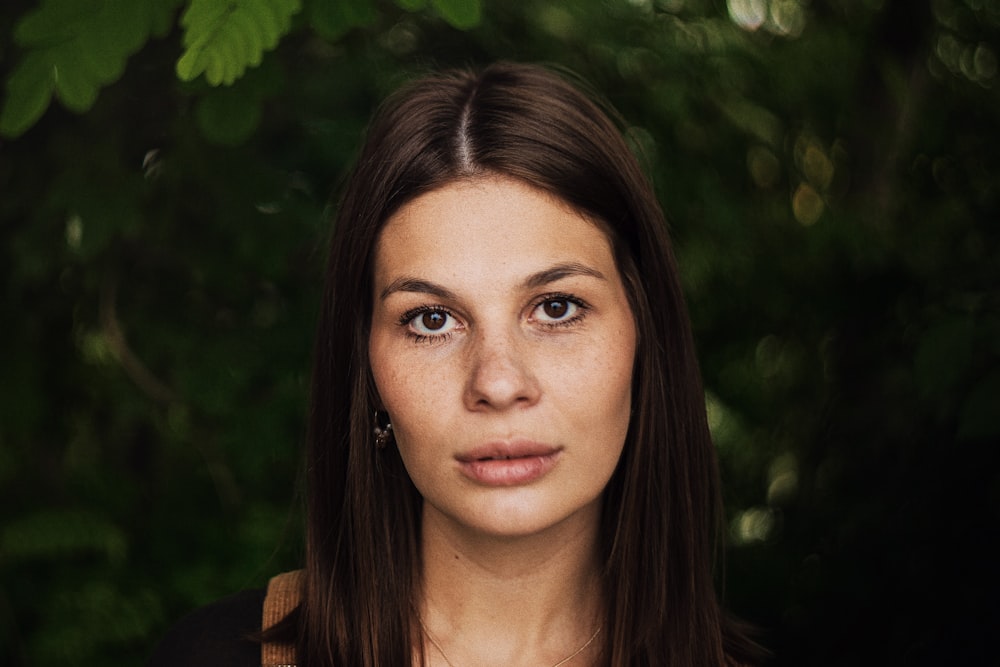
218	635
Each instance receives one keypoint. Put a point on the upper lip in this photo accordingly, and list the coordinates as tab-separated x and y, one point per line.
506	449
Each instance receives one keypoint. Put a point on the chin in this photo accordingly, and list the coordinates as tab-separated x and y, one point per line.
520	520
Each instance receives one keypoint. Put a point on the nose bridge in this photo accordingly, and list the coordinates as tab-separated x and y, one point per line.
500	369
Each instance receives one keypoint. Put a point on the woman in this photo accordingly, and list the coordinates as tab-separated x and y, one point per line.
508	460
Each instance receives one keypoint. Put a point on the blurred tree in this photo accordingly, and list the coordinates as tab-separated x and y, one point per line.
831	172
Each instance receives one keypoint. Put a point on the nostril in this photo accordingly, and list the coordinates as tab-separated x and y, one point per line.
499	375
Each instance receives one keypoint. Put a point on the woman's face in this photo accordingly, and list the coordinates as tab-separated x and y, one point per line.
502	346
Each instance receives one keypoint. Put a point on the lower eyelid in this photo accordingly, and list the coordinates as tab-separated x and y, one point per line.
424	339
429	338
578	317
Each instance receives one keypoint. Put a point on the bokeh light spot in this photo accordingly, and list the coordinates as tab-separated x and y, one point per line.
748	14
807	205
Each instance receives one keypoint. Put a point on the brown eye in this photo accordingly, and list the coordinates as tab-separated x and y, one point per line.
433	321
556	310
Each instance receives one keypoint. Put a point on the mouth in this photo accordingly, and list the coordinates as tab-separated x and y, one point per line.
508	463
507	450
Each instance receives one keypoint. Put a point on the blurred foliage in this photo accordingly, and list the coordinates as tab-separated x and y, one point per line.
222	38
832	173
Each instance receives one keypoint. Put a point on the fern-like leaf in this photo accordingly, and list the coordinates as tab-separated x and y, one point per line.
224	37
72	49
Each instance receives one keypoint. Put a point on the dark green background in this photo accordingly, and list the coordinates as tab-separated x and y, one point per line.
833	184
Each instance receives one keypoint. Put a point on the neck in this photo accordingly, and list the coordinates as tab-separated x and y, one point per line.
525	600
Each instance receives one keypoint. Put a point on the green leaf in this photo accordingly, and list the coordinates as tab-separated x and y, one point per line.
331	20
224	37
462	14
411	5
77	90
29	90
73	48
227	116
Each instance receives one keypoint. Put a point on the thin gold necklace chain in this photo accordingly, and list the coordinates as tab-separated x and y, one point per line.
569	657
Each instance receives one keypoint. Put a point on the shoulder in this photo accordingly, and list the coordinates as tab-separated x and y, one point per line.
222	634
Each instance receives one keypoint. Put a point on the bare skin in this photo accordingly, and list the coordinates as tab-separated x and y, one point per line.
533	603
502	347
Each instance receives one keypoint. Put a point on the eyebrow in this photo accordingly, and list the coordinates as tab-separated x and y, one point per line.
416	285
560	271
534	281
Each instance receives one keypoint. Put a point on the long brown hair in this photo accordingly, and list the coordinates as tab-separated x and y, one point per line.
662	507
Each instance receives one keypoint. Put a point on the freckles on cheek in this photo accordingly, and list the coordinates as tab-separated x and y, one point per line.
385	375
405	388
388	382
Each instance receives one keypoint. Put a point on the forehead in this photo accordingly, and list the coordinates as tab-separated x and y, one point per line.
489	228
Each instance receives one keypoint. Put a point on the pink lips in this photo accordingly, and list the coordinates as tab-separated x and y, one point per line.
508	463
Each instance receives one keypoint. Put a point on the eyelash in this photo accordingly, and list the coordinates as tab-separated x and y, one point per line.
581	309
413	313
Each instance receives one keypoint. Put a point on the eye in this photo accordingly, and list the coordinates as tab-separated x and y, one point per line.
431	322
556	309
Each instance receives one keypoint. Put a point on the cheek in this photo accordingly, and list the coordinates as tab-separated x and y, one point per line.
613	365
411	397
389	382
393	385
408	390
593	388
616	398
619	373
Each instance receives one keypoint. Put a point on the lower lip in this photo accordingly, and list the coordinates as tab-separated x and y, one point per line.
509	472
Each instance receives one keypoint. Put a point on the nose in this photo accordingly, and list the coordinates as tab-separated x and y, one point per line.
501	375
